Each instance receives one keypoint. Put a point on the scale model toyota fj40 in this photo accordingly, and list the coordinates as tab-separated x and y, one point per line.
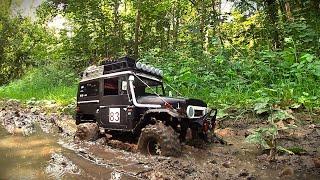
126	96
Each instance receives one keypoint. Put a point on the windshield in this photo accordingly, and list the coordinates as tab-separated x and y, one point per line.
147	87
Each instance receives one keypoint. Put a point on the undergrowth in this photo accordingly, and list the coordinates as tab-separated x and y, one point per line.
220	81
243	81
47	83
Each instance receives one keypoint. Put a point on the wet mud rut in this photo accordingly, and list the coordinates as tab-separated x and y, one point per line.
39	145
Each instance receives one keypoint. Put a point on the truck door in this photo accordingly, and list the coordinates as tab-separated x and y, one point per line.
114	101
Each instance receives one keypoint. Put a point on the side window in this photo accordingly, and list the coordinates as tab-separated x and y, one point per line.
111	86
89	89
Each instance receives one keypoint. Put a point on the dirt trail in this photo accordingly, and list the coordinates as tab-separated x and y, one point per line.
35	144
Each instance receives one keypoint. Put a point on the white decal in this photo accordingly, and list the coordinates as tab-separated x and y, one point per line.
114	115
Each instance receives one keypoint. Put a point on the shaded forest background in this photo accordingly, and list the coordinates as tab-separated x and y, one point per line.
263	51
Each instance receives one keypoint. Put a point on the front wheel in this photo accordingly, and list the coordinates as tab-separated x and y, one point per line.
159	139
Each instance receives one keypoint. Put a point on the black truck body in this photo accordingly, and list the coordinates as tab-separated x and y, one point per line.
126	96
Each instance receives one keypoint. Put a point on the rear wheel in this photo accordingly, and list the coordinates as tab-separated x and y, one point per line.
87	131
159	139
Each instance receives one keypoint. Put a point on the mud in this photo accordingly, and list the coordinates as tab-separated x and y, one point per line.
36	144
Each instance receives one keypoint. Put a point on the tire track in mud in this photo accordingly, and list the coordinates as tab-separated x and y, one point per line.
237	160
103	161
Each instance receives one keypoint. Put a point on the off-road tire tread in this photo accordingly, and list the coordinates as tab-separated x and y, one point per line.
166	136
87	132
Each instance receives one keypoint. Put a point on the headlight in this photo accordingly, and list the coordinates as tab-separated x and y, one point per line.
190	111
196	111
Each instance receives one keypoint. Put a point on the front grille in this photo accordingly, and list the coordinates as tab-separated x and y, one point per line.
198	113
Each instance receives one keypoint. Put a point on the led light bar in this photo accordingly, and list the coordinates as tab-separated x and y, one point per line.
139	65
149	68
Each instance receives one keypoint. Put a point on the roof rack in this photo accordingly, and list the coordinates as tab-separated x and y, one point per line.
124	63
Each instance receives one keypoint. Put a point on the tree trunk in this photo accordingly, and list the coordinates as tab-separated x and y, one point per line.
202	22
105	44
272	9
216	11
117	27
288	10
176	30
168	36
175	22
316	6
137	32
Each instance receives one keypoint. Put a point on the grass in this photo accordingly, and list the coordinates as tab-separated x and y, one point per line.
220	89
43	84
61	87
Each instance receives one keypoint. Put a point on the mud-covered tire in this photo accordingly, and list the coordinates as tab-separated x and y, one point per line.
165	137
87	132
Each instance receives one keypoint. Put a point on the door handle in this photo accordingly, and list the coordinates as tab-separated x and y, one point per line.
102	107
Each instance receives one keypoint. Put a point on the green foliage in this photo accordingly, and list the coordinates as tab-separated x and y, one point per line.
23	44
258	56
262	106
280	115
263	136
266	137
46	83
297	150
248	82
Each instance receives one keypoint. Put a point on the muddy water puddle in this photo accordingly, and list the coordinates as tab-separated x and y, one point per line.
44	156
25	157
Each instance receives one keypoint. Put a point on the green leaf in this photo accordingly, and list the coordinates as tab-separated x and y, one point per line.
288	40
280	148
307	57
258	138
261	108
279	115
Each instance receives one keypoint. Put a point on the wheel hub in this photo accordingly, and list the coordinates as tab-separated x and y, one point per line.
153	147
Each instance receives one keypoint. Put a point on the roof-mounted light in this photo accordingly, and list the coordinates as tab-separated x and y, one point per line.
149	68
159	72
144	67
153	70
139	65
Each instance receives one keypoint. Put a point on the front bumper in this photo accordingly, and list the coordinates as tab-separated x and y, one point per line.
208	121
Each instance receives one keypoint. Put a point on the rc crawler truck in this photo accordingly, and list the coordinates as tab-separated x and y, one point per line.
128	97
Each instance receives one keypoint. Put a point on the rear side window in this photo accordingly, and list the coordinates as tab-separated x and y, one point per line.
111	86
89	89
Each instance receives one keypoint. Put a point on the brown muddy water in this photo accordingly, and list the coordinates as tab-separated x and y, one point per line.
47	156
26	157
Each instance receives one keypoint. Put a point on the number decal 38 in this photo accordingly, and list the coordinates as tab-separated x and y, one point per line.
114	115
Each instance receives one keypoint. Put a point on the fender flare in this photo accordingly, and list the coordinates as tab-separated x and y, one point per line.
168	111
140	124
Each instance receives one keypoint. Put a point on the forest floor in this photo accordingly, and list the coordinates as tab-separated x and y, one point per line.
37	144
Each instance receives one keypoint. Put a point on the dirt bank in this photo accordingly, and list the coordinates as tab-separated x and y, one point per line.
99	160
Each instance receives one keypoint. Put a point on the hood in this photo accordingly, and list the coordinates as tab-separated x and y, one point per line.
175	102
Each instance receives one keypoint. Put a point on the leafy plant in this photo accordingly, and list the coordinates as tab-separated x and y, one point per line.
263	106
266	137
